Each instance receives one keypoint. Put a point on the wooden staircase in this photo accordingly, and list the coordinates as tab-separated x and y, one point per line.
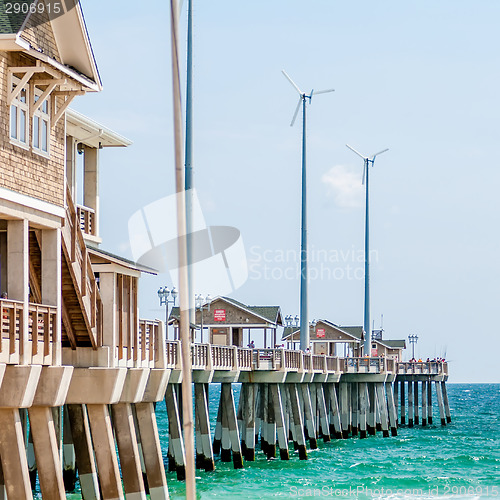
81	300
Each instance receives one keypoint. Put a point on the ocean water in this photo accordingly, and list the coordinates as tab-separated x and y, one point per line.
461	460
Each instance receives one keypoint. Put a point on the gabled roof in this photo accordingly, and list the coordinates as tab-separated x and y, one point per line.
393	344
70	34
292	332
355	331
108	257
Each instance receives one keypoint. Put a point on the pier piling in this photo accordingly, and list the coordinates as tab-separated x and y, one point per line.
446	402
372	400
363	406
424	403
440	402
403	403
410	403
309	421
429	402
176	443
381	401
276	393
415	403
298	424
391	409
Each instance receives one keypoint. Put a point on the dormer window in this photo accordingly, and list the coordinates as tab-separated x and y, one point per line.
19	116
41	126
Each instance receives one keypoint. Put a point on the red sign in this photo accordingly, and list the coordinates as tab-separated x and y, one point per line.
320	333
219	315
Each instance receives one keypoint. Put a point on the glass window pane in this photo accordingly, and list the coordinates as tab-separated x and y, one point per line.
13	122
36	132
45	106
22	95
22	126
45	136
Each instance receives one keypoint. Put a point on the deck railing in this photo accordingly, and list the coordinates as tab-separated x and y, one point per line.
217	357
86	217
40	332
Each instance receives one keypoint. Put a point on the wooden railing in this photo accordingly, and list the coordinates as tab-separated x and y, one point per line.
40	332
423	368
81	271
238	358
86	217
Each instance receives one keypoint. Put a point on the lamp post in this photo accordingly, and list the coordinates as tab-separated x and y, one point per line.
413	339
200	303
167	297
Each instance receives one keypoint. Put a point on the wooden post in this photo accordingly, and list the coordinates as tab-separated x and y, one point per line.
392	409
276	394
104	449
297	421
403	403
230	413
13	455
446	402
202	414
363	406
381	400
440	402
410	403
309	423
424	403
153	460
85	462
174	426
126	439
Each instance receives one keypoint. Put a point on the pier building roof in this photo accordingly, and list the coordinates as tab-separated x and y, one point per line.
325	330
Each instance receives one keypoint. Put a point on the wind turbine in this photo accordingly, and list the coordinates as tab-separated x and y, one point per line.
366	323
304	320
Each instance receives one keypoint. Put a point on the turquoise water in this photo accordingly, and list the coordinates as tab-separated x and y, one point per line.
461	460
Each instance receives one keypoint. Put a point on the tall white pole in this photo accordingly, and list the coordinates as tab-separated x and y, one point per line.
187	396
366	323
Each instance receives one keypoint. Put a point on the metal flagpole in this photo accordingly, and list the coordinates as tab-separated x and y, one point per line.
187	396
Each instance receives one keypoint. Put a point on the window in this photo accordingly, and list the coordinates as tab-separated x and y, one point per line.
19	115
41	125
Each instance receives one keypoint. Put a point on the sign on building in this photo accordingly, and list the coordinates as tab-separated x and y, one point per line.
219	315
320	333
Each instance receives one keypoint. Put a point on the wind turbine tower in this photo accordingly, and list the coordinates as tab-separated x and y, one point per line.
304	320
366	323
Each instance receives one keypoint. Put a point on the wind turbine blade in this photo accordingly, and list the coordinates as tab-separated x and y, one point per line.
324	91
296	112
379	153
292	82
364	173
357	152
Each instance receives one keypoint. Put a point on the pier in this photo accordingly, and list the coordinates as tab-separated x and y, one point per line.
82	373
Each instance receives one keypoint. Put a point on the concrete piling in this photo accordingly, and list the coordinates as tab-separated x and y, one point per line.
429	402
355	408
372	421
153	461
276	393
381	401
344	410
229	415
104	449
298	423
84	454
403	403
439	393
415	403
175	432
363	408
446	402
69	457
323	417
203	434
249	422
424	403
392	409
335	413
410	403
308	415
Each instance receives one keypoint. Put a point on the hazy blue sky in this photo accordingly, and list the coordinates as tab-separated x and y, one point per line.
420	78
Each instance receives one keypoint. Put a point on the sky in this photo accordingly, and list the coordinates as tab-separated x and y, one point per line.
420	78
